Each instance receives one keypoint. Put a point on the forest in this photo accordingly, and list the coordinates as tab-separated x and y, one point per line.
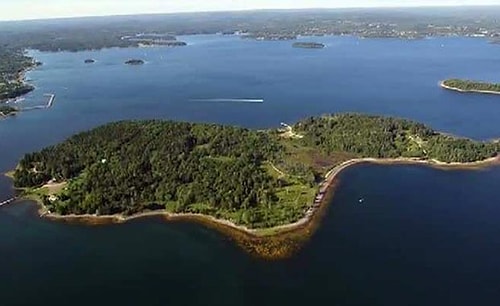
255	178
129	167
386	137
467	85
12	64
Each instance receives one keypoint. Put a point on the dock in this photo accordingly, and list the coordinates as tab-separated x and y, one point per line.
52	97
49	104
7	201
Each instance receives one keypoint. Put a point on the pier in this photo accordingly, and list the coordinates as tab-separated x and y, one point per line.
52	97
49	104
7	201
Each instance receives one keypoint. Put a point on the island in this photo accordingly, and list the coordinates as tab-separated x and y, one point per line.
308	45
266	189
162	43
467	86
134	62
89	61
154	40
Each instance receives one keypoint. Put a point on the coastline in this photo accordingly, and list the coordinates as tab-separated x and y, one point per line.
268	243
21	78
489	92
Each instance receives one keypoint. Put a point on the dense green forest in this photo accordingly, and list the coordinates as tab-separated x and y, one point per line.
472	85
12	64
227	172
386	137
128	167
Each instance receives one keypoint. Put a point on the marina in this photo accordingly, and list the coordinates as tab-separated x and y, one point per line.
49	104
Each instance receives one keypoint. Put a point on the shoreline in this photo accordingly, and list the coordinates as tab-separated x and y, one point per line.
21	78
488	92
268	243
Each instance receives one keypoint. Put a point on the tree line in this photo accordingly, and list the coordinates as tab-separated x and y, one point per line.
128	167
386	137
132	166
472	85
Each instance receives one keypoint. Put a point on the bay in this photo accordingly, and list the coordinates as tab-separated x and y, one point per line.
421	237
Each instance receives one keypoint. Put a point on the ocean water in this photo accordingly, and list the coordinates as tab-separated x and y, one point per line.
421	237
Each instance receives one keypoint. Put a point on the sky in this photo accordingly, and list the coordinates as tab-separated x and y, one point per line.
41	9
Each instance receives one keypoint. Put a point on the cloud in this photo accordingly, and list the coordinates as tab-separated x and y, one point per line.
33	9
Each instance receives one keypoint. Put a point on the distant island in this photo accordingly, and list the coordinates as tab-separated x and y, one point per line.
267	189
89	61
162	43
467	86
134	62
308	45
269	36
154	40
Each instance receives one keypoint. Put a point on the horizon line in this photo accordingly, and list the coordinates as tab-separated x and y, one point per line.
252	10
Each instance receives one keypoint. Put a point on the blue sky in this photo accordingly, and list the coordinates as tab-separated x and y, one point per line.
34	9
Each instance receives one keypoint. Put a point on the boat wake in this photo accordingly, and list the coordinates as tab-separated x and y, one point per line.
228	100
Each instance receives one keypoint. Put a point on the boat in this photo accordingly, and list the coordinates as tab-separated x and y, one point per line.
361	200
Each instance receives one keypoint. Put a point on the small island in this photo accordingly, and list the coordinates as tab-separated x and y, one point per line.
308	45
162	43
154	40
467	86
134	62
89	61
265	189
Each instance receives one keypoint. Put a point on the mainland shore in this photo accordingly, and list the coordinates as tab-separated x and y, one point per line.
268	243
490	92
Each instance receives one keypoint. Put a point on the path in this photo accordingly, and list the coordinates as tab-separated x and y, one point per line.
277	170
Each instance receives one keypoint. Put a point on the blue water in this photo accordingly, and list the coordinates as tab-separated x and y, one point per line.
421	237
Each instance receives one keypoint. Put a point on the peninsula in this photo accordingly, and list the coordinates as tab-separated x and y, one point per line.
308	45
134	62
467	86
265	189
13	64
